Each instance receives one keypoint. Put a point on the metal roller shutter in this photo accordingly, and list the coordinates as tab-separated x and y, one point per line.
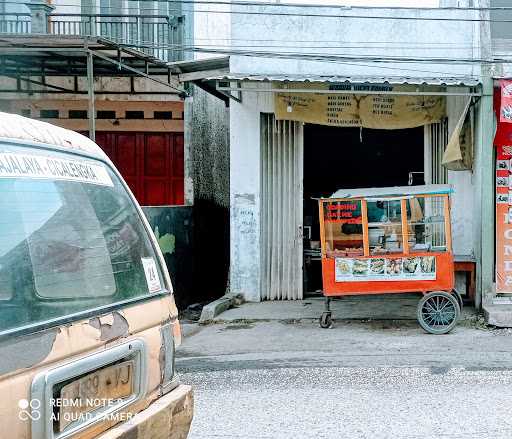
281	203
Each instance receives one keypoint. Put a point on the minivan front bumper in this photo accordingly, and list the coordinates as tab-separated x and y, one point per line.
169	417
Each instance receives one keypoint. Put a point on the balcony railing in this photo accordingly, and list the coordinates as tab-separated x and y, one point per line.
14	23
160	36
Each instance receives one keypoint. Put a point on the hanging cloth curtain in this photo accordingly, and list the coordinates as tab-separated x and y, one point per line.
458	155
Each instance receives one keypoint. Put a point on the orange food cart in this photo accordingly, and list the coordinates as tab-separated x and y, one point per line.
391	240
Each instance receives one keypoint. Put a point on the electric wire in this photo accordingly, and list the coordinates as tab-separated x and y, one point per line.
357	62
354	57
377	58
373	17
296	5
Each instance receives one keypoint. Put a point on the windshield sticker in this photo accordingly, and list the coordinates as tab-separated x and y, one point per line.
51	168
151	273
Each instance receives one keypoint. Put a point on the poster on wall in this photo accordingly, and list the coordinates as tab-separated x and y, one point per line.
503	219
379	111
503	184
385	269
506	101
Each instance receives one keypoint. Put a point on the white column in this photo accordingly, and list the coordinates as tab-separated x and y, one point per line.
245	162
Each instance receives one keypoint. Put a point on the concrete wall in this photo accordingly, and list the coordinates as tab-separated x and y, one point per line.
10	6
501	29
33	108
73	6
207	161
501	39
355	37
212	27
245	175
464	197
174	230
210	139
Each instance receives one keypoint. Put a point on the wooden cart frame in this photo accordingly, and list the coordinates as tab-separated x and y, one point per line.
440	307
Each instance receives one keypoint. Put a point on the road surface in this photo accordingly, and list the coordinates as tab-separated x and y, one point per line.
357	380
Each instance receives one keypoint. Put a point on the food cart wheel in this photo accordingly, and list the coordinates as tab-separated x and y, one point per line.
326	320
438	312
459	299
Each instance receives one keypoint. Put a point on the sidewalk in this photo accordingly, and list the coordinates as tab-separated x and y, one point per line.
388	307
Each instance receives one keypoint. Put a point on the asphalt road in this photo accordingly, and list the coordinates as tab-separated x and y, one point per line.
359	380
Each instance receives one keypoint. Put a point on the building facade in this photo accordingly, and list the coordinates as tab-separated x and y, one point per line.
139	124
281	159
138	118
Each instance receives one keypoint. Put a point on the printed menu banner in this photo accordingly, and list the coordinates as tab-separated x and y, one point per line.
385	269
506	101
351	110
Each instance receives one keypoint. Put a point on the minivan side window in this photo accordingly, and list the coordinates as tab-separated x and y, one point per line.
67	245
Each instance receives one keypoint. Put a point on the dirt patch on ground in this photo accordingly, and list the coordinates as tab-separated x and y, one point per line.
237	327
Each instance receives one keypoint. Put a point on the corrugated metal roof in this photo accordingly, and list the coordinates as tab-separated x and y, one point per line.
393	191
32	54
19	128
464	81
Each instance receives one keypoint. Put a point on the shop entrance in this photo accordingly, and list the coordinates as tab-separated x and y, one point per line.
336	158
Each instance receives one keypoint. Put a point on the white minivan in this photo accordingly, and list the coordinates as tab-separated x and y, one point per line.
88	323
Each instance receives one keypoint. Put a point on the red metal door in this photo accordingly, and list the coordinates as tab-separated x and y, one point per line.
151	163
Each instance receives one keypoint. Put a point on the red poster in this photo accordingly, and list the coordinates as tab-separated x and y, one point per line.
503	219
506	101
503	144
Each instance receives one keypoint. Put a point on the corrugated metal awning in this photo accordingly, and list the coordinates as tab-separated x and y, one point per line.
202	68
453	81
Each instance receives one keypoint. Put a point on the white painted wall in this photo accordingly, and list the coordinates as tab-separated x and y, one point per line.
67	6
10	6
463	199
245	176
211	29
353	37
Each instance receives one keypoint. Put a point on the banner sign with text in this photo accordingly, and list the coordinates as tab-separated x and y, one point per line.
377	111
503	145
503	219
13	165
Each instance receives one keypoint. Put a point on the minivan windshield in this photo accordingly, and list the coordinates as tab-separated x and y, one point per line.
71	239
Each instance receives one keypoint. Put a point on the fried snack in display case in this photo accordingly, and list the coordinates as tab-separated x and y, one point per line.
391	240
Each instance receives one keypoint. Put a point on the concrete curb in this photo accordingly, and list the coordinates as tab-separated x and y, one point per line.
498	315
215	308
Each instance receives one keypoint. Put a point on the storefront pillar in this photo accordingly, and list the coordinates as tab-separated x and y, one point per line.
484	173
245	248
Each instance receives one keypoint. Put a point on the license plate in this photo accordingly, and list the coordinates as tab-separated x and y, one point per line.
94	391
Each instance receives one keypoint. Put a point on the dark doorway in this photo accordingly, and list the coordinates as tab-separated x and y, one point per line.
345	158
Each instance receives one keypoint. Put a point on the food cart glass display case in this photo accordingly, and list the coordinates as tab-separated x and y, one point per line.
391	240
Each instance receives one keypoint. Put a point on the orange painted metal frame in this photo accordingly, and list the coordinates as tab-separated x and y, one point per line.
445	276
